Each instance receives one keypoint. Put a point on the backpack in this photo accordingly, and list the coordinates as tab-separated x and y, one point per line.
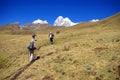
51	35
31	46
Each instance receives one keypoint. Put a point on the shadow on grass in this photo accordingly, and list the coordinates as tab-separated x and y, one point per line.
50	53
20	70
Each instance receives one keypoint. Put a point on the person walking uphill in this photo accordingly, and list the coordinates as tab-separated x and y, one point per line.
31	48
33	35
51	35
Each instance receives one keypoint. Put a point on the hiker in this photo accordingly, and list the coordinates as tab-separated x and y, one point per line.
51	35
33	35
31	48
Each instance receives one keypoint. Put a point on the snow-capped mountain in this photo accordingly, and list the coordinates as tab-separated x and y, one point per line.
60	21
38	21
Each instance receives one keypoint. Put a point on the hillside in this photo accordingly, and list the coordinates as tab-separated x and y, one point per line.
112	21
14	26
87	51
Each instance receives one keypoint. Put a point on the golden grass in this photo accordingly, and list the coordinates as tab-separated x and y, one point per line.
87	53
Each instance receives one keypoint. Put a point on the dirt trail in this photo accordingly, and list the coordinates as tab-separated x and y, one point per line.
19	71
22	69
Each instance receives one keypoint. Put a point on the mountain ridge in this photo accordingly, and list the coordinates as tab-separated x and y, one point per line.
114	19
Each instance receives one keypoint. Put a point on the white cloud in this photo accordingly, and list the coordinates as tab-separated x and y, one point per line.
38	21
94	20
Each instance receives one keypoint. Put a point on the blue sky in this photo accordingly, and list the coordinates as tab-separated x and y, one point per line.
26	11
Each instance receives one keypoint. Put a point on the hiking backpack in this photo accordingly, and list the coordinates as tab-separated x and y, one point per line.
51	35
31	46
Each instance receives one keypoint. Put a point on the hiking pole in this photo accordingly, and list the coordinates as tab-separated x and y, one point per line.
28	55
38	47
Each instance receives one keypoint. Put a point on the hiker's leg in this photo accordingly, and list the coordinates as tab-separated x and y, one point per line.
29	54
33	37
50	40
32	55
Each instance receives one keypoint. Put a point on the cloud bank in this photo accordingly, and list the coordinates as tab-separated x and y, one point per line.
94	20
38	21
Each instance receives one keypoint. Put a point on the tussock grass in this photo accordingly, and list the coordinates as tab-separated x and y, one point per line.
78	53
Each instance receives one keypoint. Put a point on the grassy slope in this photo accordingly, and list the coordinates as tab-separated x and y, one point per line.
88	51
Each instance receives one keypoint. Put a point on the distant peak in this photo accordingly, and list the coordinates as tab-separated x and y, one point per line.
60	17
60	21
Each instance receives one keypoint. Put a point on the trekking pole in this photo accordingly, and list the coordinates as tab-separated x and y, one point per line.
38	48
28	55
